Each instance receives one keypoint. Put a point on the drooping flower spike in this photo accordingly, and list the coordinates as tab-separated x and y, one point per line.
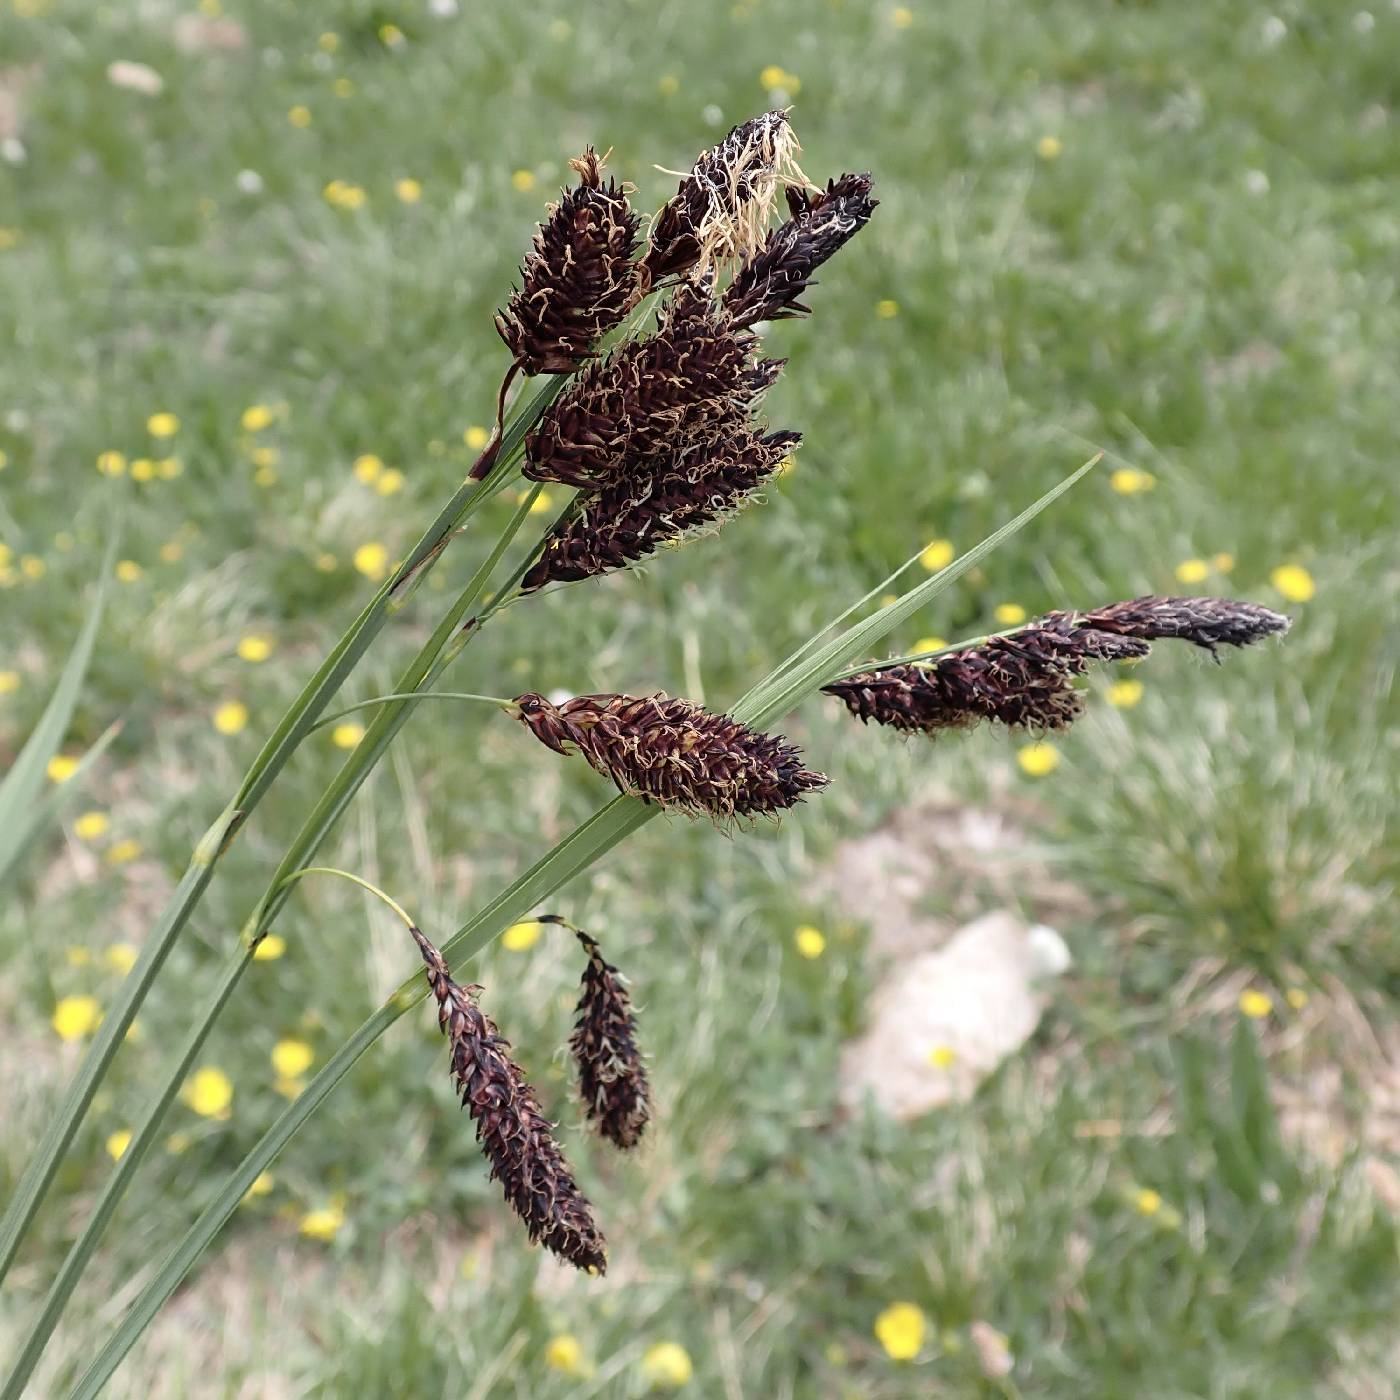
515	1136
1023	678
579	280
675	753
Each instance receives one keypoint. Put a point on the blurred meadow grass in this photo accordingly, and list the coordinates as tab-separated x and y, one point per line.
1167	232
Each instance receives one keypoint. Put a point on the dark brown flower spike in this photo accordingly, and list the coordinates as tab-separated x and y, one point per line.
767	286
694	380
579	280
513	1133
640	512
1024	678
612	1078
721	207
675	753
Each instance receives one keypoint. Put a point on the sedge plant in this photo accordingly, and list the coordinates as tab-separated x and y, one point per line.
650	351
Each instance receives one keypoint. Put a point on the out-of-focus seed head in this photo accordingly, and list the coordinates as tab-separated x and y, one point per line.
769	283
675	753
658	396
515	1136
640	512
612	1078
579	280
1024	678
720	211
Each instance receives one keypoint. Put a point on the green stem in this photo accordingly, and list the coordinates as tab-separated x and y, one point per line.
354	880
767	701
414	695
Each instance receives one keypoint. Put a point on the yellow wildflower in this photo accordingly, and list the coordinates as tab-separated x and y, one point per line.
900	1330
120	957
668	85
1147	1201
77	957
61	767
347	735
32	567
811	942
264	458
1125	694
564	1354
172	551
1131	481
1038	759
942	1056
289	1088
169	468
177	1143
129	571
1256	1005
63	542
122	852
326	563
91	826
367	468
300	116
261	1185
1297	998
9	682
255	647
887	309
111	463
389	481
937	555
143	469
271	948
667	1364
1192	571
930	644
476	437
343	87
1049	147
519	937
256	417
76	1016
291	1058
1222	563
523	180
231	717
117	1143
1294	582
162	425
775	78
390	35
209	1092
408	190
901	17
322	1224
372	560
328	42
1009	614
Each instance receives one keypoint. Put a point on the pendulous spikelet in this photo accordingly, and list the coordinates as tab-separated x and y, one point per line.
720	210
612	1078
515	1136
1024	677
656	396
675	753
767	286
578	281
643	510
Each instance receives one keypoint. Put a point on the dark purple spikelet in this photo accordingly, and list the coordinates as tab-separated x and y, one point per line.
655	396
1024	678
640	512
611	1076
515	1136
720	208
578	281
768	285
675	753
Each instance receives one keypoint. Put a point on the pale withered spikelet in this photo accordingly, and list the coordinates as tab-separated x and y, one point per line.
768	285
515	1136
675	753
611	1076
656	396
643	510
1024	678
721	208
578	282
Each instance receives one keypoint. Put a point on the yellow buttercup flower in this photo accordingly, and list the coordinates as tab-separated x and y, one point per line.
1222	563
9	682
172	551
888	309
564	1354
300	116
328	42
1038	759
668	85
1049	147
409	191
326	563
231	717
1147	1201
776	78
1125	694
117	1143
1192	571
389	481
901	17
77	957
291	1058
390	35
111	463
261	1185
343	87
129	571
476	437
120	957
264	458
1256	1005
255	647
900	1330
1297	998
323	1224
811	942
169	468
667	1364
162	425
1294	582
341	194
76	1016
91	826
367	468
143	469
937	555
1131	481
61	767
209	1092
32	567
372	560
519	937
347	735
930	644
289	1088
271	948
256	417
1009	614
523	180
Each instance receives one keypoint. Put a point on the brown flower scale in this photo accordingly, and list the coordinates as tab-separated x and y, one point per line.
640	512
1024	678
767	286
579	281
515	1136
675	753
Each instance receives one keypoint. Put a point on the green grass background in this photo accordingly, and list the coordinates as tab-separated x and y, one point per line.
1203	284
